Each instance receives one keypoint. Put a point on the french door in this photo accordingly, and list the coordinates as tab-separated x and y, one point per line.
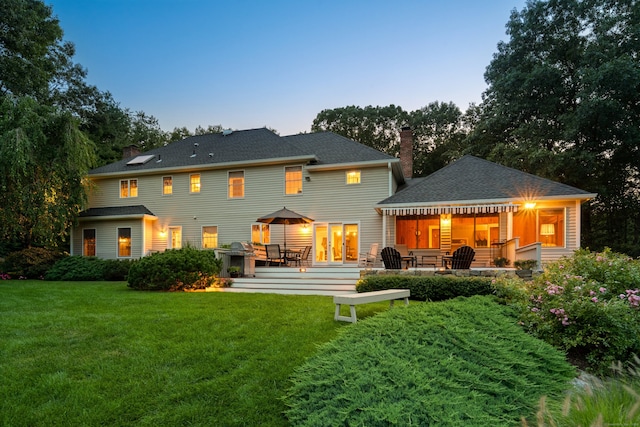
335	243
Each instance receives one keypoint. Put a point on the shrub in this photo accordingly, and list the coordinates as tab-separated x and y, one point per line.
454	363
116	269
175	269
428	288
31	263
76	268
586	305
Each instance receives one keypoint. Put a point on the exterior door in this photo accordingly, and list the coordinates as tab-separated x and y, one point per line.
335	243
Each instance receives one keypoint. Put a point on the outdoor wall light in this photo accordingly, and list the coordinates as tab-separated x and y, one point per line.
529	205
163	233
307	178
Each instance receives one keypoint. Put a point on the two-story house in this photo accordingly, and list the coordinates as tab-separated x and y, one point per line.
210	189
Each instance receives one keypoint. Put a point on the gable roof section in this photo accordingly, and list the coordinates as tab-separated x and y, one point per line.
256	146
471	180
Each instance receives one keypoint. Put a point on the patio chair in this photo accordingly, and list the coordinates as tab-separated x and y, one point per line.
368	257
274	254
462	258
303	257
391	258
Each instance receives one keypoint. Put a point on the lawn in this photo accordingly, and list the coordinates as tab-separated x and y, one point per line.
98	353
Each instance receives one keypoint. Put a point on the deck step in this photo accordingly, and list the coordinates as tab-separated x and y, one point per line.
299	281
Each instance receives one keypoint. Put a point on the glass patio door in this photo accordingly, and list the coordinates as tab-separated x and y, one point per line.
335	243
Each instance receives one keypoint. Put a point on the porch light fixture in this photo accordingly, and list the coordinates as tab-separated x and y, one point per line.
303	270
163	233
530	205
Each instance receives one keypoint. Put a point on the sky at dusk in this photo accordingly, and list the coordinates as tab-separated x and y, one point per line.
248	64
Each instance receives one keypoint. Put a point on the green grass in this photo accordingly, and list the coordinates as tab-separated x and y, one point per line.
98	353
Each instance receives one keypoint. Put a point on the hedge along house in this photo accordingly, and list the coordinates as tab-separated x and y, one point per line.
497	210
209	190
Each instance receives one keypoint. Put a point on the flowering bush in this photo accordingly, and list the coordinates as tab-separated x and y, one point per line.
587	305
4	276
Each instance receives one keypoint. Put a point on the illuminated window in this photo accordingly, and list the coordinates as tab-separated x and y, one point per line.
124	242
540	225
293	180
475	230
194	183
236	184
89	242
128	188
418	231
210	237
353	177
260	233
167	185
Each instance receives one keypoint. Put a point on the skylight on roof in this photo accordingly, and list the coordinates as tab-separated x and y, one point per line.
140	160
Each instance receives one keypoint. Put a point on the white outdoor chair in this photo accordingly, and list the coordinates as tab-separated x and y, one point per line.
366	258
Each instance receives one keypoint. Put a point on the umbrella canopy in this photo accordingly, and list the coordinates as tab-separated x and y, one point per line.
284	216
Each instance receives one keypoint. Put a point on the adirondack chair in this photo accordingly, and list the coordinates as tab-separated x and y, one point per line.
462	258
366	258
274	254
391	258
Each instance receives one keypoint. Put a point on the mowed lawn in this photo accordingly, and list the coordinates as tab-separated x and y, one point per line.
98	353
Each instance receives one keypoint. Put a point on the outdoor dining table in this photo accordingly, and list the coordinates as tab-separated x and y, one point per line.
291	255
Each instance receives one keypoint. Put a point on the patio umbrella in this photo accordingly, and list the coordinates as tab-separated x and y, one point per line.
285	216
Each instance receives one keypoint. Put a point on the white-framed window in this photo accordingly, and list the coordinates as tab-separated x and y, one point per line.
293	180
236	184
124	242
128	188
194	183
89	242
353	177
260	233
209	236
167	185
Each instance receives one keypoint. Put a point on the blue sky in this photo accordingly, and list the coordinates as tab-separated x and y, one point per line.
247	64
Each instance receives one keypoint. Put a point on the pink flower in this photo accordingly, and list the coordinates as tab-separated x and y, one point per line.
603	290
535	309
594	299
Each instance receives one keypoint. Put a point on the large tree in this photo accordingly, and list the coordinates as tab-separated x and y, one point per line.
564	102
43	161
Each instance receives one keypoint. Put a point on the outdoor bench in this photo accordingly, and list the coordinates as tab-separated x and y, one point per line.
366	297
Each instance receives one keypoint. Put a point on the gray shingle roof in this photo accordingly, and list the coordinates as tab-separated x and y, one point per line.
248	146
471	178
331	148
116	211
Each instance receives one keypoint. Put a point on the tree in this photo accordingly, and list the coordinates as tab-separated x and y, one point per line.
564	102
438	130
43	161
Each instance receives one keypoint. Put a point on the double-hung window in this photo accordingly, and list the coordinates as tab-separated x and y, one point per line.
167	185
194	183
236	184
128	188
293	180
89	242
210	237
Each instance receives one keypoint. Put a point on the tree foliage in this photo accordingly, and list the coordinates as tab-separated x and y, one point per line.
438	130
564	102
43	161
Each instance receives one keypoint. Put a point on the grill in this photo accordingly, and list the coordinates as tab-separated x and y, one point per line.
241	255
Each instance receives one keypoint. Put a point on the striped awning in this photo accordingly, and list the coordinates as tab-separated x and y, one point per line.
454	210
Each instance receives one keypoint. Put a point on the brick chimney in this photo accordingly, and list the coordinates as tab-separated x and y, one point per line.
130	151
406	151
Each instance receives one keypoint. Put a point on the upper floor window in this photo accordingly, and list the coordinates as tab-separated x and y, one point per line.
353	177
128	188
167	185
194	183
210	237
236	184
293	180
